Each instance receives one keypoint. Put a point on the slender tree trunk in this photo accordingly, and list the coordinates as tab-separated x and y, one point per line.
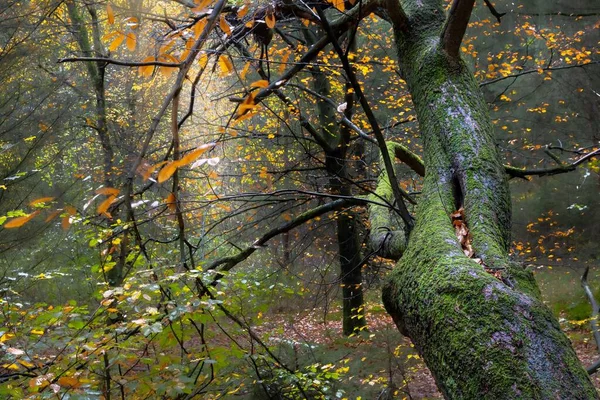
349	249
478	321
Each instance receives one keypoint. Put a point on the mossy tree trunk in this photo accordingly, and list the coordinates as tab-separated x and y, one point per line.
477	321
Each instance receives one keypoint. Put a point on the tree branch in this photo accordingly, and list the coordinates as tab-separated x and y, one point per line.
456	26
118	62
523	173
231	261
396	14
495	13
537	70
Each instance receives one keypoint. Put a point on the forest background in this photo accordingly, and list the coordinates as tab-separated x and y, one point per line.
189	191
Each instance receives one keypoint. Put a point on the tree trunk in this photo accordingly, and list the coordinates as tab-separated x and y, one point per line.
353	319
477	320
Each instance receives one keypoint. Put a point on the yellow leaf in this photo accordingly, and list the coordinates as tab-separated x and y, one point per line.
167	171
225	65
110	13
11	366
249	24
41	200
260	84
117	41
68	381
224	25
305	22
131	41
171	202
270	20
105	204
263	173
37	332
108	191
203	61
26	364
147	70
6	336
20	221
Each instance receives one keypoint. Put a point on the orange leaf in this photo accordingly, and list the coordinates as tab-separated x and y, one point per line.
110	13
66	222
202	4
132	22
147	70
270	20
167	171
71	210
247	104
117	41
260	84
284	60
108	191
224	25
103	207
199	27
20	221
52	215
243	11
68	381
148	173
339	4
131	41
225	65
193	155
171	202
245	70
41	200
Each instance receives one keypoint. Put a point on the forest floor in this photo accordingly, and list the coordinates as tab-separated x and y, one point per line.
371	368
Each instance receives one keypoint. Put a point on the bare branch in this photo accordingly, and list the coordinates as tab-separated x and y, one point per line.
537	70
515	172
495	13
118	62
456	26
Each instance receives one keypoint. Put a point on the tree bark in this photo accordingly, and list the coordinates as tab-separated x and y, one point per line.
477	321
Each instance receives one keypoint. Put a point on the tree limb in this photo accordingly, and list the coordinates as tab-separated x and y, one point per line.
119	62
495	13
456	26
